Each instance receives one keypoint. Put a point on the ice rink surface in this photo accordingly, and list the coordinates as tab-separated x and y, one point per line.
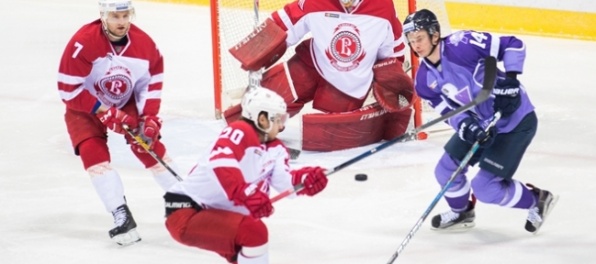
49	212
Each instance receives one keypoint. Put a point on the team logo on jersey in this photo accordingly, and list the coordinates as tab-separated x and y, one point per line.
460	96
345	50
433	85
457	37
114	86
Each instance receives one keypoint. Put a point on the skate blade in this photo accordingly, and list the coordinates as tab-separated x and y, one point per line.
461	227
128	238
548	210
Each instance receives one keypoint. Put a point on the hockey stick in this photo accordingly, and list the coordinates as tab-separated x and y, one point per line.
490	75
146	147
432	205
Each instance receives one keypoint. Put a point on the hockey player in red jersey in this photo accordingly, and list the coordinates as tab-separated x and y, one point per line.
110	75
219	206
354	46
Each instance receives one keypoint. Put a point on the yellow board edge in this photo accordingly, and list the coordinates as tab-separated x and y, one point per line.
505	19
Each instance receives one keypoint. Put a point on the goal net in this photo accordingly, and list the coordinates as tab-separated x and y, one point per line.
232	20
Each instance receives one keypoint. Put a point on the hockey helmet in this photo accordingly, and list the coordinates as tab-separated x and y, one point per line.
107	6
423	19
257	100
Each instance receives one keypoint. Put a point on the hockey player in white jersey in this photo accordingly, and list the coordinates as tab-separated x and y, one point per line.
111	75
219	206
351	48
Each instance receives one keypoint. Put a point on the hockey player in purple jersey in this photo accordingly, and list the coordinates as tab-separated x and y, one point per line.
450	75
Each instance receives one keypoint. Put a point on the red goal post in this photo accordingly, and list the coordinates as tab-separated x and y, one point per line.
232	20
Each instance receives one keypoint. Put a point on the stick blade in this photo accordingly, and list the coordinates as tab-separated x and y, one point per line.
490	76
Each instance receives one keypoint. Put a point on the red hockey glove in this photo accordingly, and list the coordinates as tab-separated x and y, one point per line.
114	118
313	179
149	129
256	201
392	87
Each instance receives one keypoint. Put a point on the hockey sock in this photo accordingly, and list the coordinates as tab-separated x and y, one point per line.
254	255
108	185
162	176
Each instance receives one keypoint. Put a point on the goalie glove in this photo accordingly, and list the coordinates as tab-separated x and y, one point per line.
392	87
313	179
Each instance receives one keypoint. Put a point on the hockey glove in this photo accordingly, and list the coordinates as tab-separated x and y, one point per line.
149	129
114	118
313	179
256	201
507	96
471	132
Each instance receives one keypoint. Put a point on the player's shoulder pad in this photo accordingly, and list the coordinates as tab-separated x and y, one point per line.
278	149
241	132
88	33
138	35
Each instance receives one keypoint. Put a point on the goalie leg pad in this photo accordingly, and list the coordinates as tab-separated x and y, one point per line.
392	87
279	79
397	123
262	47
337	131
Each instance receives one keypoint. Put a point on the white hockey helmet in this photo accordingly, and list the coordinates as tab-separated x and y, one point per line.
257	100
349	3
107	6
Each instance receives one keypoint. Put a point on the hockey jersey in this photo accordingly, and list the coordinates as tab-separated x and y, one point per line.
460	74
93	72
237	158
345	43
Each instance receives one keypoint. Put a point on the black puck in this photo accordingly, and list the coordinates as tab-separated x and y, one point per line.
361	177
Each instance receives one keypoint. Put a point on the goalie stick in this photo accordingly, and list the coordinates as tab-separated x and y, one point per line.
432	205
490	75
143	144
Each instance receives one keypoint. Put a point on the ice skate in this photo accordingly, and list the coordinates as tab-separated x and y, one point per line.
125	232
546	201
454	221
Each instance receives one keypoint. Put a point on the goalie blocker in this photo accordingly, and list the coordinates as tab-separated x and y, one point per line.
262	47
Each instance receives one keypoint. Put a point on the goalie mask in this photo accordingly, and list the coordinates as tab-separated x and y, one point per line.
114	15
258	100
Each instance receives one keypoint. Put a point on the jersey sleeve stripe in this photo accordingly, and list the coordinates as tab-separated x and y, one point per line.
224	163
69	79
155	94
158	78
285	19
495	46
67	96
